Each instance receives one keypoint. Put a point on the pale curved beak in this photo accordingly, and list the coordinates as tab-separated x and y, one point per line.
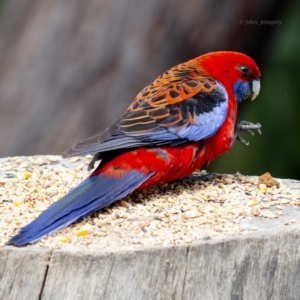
255	88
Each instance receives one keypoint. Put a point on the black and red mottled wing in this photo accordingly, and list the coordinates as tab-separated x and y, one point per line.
179	106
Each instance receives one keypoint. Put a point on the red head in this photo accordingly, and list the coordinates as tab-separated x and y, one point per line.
233	70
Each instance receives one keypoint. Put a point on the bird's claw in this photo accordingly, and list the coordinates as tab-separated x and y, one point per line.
199	177
245	126
241	140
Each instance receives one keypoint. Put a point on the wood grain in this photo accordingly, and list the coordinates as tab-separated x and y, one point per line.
23	272
262	265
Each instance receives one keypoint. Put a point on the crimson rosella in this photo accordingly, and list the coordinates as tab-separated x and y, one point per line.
185	118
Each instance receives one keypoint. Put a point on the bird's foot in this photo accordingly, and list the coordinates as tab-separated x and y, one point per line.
245	126
200	177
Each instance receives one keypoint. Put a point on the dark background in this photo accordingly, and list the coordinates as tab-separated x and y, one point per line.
70	68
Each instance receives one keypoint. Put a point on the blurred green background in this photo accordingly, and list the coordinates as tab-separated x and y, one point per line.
277	108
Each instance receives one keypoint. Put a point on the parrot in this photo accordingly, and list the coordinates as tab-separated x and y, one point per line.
184	119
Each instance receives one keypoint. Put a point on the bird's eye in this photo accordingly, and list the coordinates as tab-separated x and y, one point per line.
245	70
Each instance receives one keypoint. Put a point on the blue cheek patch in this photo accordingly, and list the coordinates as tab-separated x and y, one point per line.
242	90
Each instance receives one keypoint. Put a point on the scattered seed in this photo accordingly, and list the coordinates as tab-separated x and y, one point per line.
27	175
262	187
82	232
74	159
170	214
125	204
52	158
17	202
65	239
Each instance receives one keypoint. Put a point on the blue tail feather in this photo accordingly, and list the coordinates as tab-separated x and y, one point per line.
92	194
